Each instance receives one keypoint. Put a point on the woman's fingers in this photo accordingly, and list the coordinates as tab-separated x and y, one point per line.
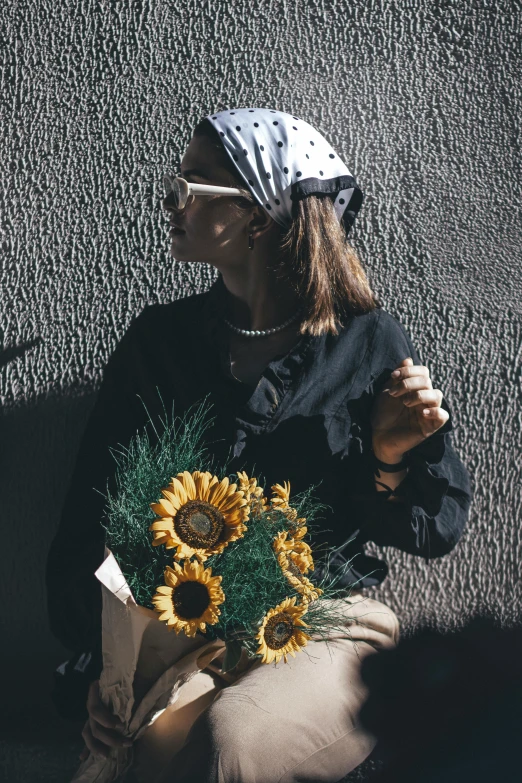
437	417
85	752
101	732
94	745
414	382
102	715
407	371
108	736
431	397
98	711
98	740
436	413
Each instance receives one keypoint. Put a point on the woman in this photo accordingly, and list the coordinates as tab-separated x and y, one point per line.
312	382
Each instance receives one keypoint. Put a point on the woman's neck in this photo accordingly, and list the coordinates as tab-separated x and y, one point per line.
258	301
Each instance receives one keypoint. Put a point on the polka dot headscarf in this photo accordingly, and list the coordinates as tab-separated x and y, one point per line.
283	159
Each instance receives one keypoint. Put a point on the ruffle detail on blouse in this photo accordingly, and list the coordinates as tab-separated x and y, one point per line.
359	407
288	367
265	399
257	413
423	488
356	435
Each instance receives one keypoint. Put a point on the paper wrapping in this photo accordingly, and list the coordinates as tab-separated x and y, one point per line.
144	667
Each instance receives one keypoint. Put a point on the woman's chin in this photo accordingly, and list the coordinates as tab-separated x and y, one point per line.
175	249
174	253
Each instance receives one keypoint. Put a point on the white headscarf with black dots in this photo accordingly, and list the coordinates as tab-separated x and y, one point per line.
283	159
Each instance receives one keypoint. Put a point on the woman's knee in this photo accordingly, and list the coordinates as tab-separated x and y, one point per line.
234	729
223	745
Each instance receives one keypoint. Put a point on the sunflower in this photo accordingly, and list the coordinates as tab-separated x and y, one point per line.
282	543
280	501
253	493
281	495
249	486
259	506
189	599
302	550
199	515
291	541
292	568
280	634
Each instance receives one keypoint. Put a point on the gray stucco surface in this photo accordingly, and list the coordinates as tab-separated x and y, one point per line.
422	101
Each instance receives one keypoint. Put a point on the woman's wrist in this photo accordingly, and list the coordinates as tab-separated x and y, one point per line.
392	479
389	456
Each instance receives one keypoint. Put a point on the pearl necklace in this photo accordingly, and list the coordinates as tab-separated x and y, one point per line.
263	332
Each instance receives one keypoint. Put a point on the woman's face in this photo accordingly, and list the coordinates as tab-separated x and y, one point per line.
213	231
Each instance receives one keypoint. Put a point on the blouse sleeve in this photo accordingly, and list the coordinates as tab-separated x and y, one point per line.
73	592
435	496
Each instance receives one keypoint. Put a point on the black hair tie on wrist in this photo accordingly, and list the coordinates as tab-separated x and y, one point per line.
387	467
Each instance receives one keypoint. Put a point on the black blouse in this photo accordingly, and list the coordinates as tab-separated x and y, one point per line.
306	421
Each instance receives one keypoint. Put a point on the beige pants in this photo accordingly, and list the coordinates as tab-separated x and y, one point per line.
284	723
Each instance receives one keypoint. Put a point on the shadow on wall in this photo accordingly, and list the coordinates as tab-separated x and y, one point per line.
38	447
447	707
8	354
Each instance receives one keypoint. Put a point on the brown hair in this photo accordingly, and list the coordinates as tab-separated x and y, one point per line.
315	255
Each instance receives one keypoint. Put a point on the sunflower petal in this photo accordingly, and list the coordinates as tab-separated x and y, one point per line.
177	487
171	580
162	510
188	483
218	491
172	498
201	481
165	524
234	501
168	508
163	590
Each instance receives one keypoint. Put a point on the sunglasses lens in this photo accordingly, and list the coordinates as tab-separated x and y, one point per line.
177	190
171	190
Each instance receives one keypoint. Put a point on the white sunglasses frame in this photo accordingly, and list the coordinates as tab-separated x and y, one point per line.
187	189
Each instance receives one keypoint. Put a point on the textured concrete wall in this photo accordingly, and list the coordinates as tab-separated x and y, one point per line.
422	100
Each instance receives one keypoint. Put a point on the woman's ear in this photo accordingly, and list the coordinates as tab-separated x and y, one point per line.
260	221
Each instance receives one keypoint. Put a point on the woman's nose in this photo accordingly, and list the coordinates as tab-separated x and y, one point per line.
169	202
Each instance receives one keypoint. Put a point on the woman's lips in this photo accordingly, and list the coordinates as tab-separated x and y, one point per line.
175	231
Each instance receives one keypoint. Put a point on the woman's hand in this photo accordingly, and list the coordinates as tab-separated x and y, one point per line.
398	419
101	732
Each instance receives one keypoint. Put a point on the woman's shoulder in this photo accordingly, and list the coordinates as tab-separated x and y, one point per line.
183	305
382	334
160	313
389	341
158	321
391	330
379	323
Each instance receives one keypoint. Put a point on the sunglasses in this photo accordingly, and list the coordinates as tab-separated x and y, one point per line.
182	192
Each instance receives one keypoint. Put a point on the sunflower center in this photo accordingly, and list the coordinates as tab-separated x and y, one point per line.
190	599
279	630
199	524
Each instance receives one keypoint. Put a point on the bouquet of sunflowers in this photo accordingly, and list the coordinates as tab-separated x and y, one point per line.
214	560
